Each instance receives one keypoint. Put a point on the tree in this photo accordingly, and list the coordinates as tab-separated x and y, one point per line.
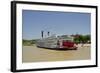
82	39
87	38
76	40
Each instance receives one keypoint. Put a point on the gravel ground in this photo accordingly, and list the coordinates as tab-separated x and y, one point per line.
34	54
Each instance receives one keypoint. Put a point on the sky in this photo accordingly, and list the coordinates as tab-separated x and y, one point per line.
59	23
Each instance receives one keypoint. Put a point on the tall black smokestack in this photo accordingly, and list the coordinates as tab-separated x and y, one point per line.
42	33
48	33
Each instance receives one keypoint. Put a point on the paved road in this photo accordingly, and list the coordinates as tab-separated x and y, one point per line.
34	54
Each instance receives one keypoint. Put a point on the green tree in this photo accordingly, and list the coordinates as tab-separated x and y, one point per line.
82	39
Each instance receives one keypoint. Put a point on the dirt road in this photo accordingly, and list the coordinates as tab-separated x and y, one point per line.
34	54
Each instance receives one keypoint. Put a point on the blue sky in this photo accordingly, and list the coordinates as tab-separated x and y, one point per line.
59	23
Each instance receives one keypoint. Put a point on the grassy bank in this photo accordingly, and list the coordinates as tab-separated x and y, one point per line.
29	42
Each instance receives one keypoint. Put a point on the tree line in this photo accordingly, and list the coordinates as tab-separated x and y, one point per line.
28	42
82	39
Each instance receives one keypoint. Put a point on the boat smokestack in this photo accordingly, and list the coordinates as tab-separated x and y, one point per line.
42	33
48	33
